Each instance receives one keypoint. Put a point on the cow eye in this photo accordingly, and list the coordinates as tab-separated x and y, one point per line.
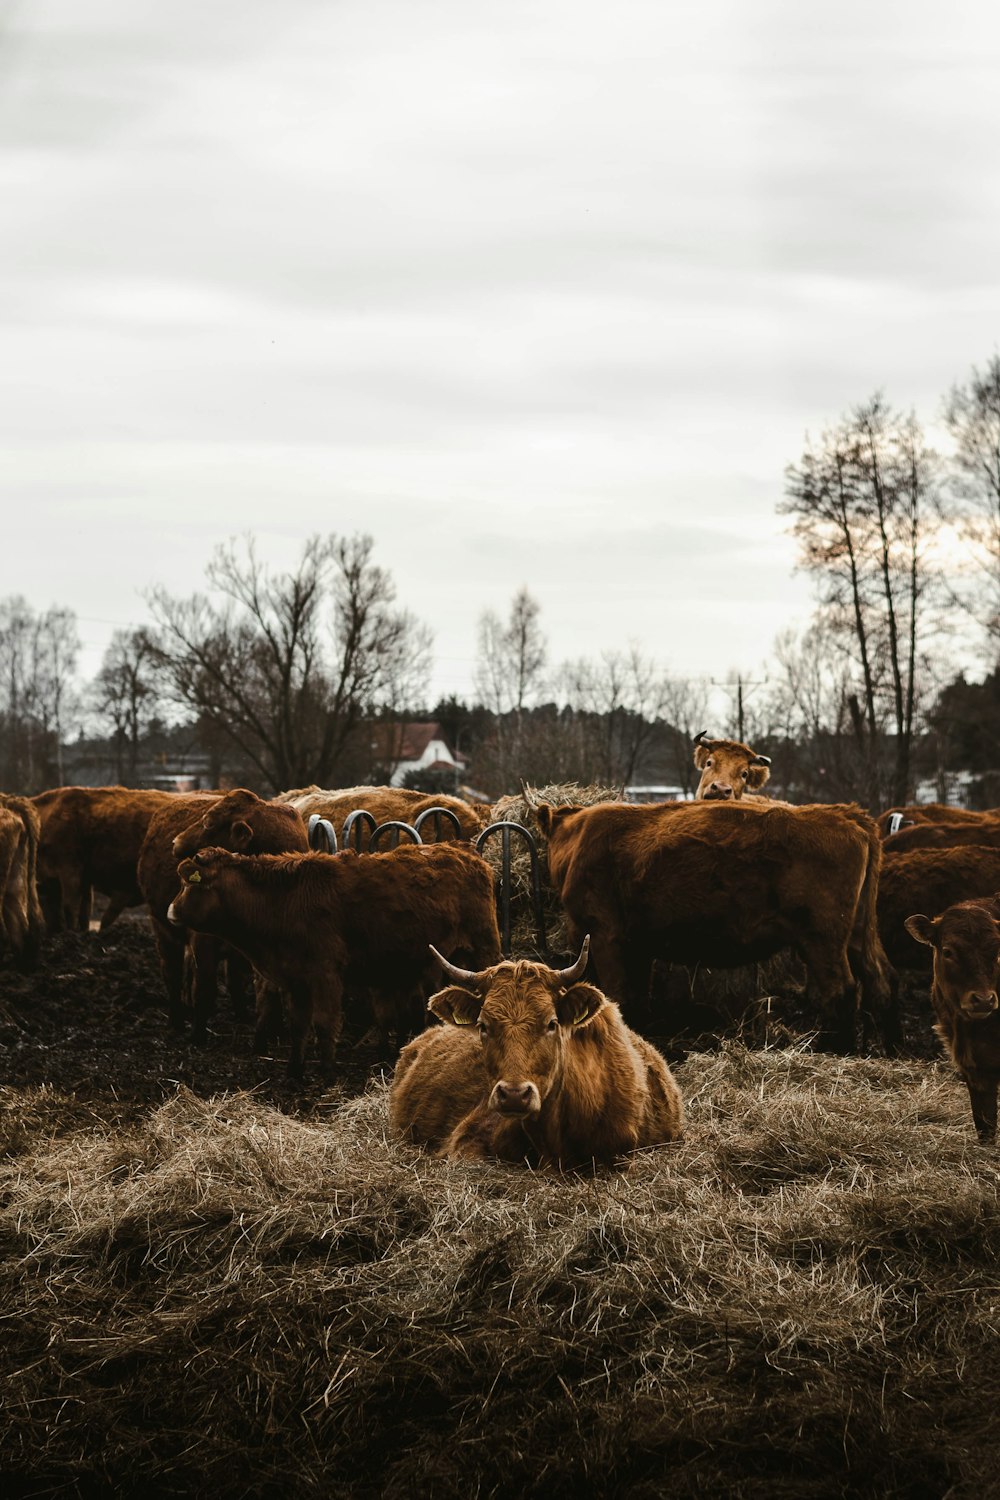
745	774
553	1025
483	1030
709	763
947	953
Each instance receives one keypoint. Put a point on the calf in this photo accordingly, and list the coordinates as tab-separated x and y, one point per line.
928	880
532	1065
966	944
314	924
728	769
240	821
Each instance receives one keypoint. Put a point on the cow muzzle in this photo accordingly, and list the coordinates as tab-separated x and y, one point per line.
979	1004
717	792
515	1100
172	917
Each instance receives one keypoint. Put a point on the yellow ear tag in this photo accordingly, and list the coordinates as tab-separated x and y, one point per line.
194	878
581	1016
461	1020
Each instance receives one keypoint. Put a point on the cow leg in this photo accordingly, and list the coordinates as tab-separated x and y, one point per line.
170	950
239	981
270	1015
50	896
203	953
328	1018
983	1097
624	975
116	905
835	992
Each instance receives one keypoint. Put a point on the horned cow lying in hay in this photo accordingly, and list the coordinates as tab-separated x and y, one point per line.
531	1064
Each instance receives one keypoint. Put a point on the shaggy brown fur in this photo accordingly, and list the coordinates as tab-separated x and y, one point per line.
983	829
926	812
314	924
728	769
928	880
528	1069
21	922
90	840
389	804
240	821
724	886
966	944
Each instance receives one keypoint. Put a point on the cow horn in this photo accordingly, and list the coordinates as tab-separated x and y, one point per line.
700	736
459	976
576	971
761	760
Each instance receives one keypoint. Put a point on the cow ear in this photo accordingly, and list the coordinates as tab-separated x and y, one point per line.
456	1007
579	1005
921	928
190	872
701	755
544	815
757	777
241	834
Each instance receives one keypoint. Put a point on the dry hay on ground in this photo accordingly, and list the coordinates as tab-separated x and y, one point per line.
800	1299
520	808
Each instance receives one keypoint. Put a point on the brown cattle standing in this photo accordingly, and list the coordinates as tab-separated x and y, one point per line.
315	924
21	921
389	804
90	840
928	880
532	1065
926	812
966	944
725	886
239	821
983	830
728	769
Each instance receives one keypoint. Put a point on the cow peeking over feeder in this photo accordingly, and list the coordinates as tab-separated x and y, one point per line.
966	944
728	769
532	1065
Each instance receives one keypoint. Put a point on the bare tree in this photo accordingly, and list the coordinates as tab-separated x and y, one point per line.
971	500
619	698
125	696
860	505
288	666
38	654
508	674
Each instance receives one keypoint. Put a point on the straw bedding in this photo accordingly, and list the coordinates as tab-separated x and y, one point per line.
800	1299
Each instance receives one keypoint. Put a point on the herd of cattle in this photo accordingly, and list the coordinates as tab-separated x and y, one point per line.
528	1059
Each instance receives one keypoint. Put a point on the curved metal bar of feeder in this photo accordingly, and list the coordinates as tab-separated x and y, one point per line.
506	829
437	813
396	827
357	819
322	836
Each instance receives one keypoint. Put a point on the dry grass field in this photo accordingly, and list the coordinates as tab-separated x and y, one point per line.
256	1293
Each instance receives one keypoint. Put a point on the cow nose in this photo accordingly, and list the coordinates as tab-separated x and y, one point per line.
514	1098
987	1000
719	789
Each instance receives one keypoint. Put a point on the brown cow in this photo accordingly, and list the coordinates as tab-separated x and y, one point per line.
928	880
966	944
90	840
532	1065
315	924
240	821
728	769
984	830
389	804
926	812
21	922
726	886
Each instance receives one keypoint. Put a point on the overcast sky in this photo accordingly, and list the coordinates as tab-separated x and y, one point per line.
539	293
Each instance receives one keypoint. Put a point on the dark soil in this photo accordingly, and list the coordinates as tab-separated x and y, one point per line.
91	1022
